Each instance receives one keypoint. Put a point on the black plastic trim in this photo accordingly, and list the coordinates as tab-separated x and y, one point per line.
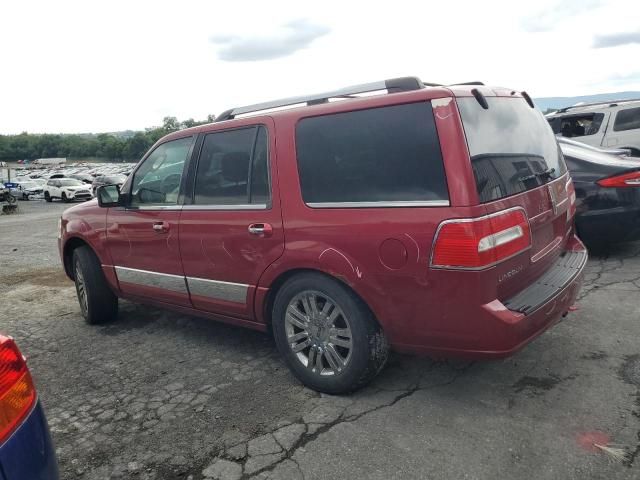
566	268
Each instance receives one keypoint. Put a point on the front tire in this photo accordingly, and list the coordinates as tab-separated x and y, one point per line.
98	304
327	335
47	197
64	198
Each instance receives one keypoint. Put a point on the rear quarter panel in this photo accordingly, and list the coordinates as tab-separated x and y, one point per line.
408	298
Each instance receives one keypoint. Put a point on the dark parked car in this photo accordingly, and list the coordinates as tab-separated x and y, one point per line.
429	219
26	451
83	177
608	195
107	180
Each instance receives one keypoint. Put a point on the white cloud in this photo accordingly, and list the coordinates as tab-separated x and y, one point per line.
291	37
616	39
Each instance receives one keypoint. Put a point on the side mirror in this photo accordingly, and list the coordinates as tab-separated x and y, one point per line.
108	196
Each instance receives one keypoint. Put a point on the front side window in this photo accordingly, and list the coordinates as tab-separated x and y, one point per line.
233	168
157	180
578	125
628	119
387	154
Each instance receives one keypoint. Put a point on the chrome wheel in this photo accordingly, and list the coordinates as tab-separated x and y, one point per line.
81	290
318	333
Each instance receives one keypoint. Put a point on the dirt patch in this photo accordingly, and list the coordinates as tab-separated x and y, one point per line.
630	370
536	385
599	355
45	277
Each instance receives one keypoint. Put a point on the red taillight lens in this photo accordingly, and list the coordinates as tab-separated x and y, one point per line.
477	243
631	179
17	393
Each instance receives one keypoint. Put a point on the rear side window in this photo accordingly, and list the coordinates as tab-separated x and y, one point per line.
381	155
512	146
233	168
628	119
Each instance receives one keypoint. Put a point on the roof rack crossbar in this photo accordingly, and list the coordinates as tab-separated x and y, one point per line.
393	85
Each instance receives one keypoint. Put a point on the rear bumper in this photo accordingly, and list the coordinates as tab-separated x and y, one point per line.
495	331
619	224
29	452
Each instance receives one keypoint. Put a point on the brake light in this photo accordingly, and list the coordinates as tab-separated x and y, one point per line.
631	179
571	193
17	393
477	243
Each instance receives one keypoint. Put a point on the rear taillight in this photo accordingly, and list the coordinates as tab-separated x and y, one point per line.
571	193
631	179
17	393
477	243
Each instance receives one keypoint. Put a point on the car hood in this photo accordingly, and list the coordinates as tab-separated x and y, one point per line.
84	210
75	188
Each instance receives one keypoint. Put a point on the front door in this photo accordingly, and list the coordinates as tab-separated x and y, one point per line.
232	229
142	236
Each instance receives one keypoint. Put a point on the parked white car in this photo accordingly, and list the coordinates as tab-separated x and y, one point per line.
67	190
609	124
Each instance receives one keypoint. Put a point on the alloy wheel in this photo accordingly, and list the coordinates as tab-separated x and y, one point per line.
318	333
81	290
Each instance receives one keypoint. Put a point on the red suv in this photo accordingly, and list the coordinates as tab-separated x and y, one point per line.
427	219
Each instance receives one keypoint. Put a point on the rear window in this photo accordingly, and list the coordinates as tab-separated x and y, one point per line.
628	119
371	157
512	146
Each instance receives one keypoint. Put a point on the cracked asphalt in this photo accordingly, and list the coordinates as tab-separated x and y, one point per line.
158	395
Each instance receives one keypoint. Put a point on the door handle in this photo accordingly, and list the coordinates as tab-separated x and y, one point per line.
261	229
161	227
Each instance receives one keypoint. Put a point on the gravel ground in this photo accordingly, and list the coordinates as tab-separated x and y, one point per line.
158	395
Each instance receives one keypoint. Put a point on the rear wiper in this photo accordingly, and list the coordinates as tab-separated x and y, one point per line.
546	173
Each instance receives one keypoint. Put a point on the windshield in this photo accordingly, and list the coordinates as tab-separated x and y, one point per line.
70	182
512	147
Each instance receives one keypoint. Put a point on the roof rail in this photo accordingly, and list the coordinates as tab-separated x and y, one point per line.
467	83
393	85
611	103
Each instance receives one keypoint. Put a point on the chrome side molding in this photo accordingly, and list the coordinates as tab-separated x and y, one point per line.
166	281
219	290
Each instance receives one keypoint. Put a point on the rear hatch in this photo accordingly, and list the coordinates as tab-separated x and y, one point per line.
518	164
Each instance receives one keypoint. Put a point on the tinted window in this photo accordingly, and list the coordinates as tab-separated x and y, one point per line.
69	182
628	119
233	168
157	180
511	145
578	125
376	155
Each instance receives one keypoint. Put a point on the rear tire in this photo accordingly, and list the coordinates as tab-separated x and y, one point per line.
47	197
98	304
331	355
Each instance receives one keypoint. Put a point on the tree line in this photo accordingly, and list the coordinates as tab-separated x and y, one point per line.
26	146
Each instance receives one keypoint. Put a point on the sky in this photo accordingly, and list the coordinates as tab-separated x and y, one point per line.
102	66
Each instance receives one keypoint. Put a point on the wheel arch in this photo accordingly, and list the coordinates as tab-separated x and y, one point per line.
67	253
283	277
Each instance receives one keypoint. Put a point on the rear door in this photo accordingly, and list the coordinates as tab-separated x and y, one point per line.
231	230
626	129
517	163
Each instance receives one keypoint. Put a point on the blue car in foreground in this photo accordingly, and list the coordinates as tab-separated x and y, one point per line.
26	451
